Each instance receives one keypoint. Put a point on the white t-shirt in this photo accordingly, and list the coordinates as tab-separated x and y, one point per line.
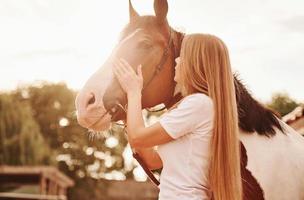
186	159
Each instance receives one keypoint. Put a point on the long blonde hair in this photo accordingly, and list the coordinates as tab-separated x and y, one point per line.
205	67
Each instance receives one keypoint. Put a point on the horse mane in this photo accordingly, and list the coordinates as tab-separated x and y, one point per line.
253	116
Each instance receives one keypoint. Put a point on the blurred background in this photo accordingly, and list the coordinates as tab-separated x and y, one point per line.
49	48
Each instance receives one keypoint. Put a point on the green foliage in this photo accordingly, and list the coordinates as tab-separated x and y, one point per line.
21	141
50	104
77	154
282	103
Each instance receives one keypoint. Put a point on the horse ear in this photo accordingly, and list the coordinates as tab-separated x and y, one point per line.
133	14
161	10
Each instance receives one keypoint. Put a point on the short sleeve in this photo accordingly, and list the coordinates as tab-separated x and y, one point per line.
194	110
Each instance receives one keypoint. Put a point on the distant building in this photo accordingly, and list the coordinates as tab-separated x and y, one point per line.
295	119
33	182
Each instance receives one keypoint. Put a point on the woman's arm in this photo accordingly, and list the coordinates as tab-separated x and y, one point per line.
151	158
139	136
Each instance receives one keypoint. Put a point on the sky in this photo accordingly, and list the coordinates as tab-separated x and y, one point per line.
68	40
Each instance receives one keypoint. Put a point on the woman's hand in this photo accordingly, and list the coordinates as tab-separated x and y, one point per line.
130	81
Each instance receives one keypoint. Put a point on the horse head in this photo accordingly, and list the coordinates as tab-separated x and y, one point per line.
146	40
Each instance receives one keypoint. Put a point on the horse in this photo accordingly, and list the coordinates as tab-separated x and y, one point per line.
272	153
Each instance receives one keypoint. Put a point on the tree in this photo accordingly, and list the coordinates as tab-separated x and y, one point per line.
282	103
77	154
21	141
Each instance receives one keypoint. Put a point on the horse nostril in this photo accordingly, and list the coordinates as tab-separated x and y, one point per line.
91	99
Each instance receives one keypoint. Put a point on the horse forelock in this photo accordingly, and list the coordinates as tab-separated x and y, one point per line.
142	22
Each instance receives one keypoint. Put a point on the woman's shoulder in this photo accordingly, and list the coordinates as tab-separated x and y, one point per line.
196	101
199	98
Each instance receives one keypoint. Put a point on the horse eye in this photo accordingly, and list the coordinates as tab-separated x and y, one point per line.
144	45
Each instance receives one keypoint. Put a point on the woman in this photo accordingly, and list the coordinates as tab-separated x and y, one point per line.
198	144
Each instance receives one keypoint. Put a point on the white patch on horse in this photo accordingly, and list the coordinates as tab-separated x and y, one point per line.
277	163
